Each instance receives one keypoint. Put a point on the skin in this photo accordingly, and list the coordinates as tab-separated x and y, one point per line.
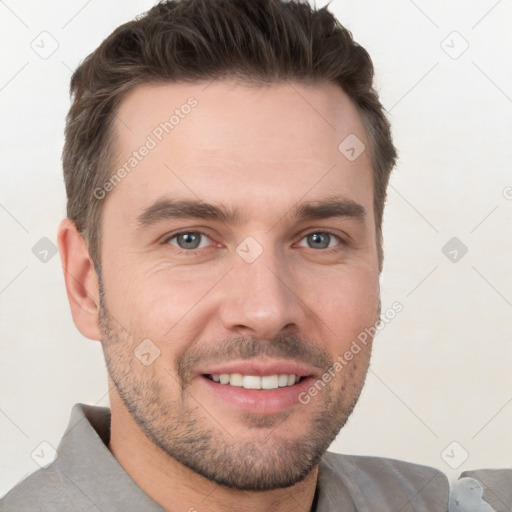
263	151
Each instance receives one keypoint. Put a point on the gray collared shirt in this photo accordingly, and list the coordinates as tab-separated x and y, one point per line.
85	476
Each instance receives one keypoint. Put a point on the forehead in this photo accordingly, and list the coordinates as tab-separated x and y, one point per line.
230	142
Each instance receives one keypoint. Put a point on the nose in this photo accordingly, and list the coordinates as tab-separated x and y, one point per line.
261	298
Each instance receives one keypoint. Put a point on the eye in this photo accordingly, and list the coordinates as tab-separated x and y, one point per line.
321	240
189	240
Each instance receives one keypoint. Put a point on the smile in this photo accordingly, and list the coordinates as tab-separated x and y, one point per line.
255	381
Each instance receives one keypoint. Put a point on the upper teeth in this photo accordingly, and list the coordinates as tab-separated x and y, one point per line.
255	381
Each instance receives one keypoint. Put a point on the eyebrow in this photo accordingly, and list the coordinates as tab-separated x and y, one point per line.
168	209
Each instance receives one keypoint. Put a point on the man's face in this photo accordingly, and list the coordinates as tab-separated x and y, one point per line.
269	296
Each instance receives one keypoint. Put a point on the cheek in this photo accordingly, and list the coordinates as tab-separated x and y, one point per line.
349	306
163	303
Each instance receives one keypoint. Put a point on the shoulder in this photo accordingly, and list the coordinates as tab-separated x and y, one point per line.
49	488
383	466
495	486
394	482
40	492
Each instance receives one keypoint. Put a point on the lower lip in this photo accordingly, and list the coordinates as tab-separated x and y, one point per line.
259	401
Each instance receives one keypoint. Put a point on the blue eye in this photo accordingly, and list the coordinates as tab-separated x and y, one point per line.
321	240
188	240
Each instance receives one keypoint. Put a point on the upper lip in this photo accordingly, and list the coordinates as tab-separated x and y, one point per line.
259	367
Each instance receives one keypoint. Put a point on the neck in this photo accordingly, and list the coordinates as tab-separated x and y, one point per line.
176	487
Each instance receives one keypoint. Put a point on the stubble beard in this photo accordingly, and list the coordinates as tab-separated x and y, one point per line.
266	459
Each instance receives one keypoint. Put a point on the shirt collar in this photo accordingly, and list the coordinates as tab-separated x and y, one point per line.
84	462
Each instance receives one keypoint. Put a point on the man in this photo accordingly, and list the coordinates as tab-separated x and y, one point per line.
226	165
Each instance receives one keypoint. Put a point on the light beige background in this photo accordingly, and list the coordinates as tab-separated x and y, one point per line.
441	371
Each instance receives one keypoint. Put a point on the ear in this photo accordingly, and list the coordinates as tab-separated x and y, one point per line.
379	284
81	280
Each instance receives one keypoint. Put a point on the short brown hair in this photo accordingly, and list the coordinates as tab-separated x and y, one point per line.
260	41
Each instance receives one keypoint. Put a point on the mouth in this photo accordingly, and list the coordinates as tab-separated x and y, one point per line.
265	382
257	386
